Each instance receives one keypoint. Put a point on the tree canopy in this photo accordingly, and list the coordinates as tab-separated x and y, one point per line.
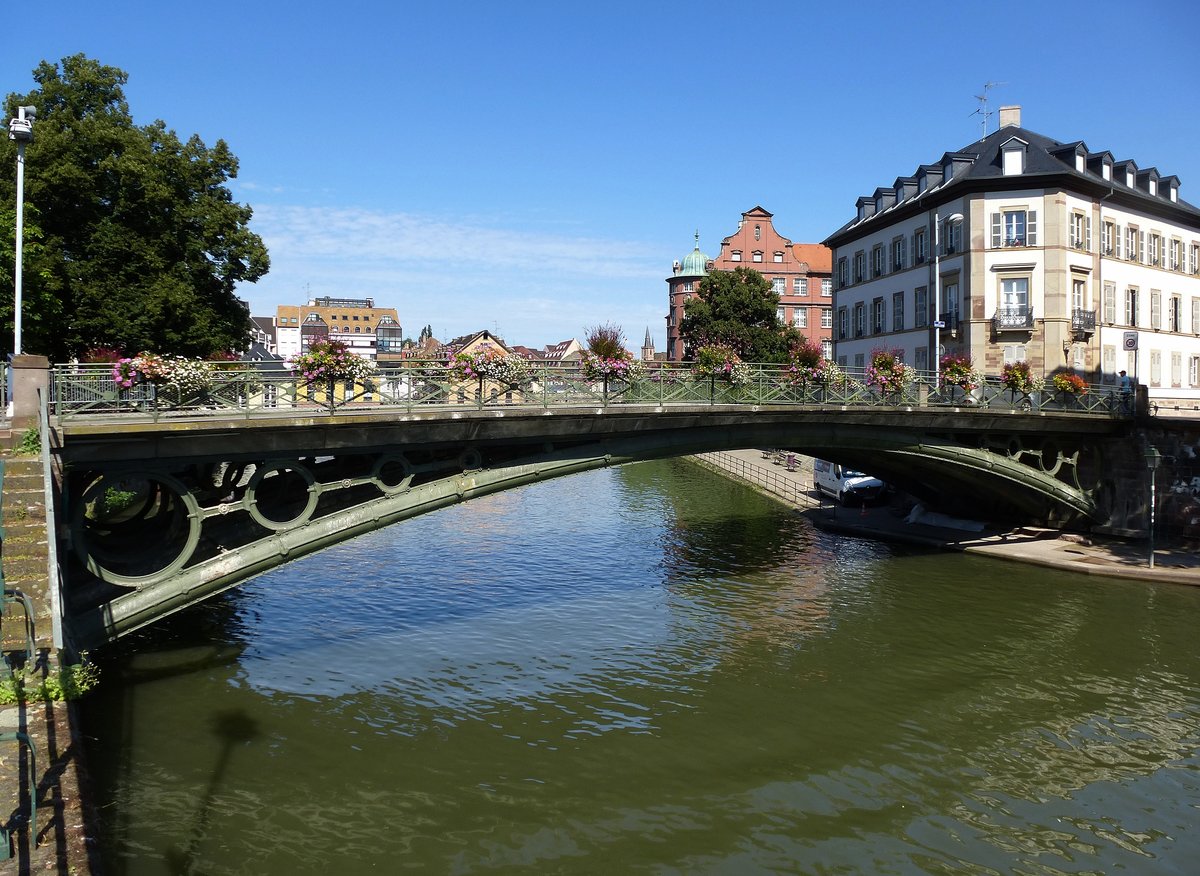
132	239
738	308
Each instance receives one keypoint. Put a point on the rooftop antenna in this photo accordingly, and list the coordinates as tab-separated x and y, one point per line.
983	107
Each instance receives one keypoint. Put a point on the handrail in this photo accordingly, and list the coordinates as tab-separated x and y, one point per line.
88	391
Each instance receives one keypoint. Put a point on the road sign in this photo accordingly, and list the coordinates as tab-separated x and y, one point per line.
937	323
1130	341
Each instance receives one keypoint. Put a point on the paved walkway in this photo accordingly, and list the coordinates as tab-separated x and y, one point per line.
1089	555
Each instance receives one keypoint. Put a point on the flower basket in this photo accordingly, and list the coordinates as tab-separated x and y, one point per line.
957	370
720	362
888	374
1018	377
1070	384
490	364
608	368
331	361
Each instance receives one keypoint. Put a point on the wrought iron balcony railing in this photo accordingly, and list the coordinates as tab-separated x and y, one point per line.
1083	321
1013	319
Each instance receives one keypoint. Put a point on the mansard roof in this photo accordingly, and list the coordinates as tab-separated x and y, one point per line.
979	166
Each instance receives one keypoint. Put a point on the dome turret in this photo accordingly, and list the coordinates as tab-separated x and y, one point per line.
695	263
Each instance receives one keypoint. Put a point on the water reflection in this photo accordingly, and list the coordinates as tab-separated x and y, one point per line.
651	669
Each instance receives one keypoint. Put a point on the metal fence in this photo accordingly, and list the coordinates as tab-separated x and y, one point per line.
794	490
242	390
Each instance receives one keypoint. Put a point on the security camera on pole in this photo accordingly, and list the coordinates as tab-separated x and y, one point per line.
938	322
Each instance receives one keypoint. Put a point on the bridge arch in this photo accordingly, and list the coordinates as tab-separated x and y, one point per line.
238	498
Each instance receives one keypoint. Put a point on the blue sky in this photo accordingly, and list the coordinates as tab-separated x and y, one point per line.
535	167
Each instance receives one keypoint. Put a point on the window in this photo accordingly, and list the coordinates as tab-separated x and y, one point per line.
898	254
949	309
1156	249
897	311
1193	260
860	266
920	307
877	260
1106	238
860	361
735	256
1131	306
1155	367
1195	315
1081	231
1176	369
951	237
779	314
843	275
826	317
1175	314
1155	309
756	256
1014	294
877	315
921	359
800	285
779	285
1078	294
860	320
777	257
843	324
800	317
1014	228
1175	256
1108	359
687	286
826	288
1194	371
826	349
757	232
920	246
1110	303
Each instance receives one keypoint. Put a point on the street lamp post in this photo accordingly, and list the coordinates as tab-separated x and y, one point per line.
938	323
1153	458
20	129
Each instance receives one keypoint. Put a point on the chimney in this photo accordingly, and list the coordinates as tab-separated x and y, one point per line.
1010	115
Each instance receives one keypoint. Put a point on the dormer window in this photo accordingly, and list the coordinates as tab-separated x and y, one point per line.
757	255
1079	162
1106	170
777	257
1013	156
735	256
1153	186
1130	178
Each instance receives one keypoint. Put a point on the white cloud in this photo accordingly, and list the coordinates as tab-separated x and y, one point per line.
537	287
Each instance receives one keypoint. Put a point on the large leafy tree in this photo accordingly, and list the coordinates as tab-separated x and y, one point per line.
738	308
139	244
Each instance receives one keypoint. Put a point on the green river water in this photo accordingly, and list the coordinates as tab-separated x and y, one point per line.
652	669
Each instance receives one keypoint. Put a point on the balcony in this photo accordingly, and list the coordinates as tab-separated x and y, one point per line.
1009	319
1083	323
950	323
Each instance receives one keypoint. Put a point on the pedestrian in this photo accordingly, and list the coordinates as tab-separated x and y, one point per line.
1126	387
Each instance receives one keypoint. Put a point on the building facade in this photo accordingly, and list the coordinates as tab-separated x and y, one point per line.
1019	247
370	331
800	273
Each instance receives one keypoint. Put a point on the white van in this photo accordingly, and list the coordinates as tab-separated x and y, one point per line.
846	485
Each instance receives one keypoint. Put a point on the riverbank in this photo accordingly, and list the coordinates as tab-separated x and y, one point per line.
1087	555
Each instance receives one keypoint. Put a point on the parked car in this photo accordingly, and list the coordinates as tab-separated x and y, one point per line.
846	485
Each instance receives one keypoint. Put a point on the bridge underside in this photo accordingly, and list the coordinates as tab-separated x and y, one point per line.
160	519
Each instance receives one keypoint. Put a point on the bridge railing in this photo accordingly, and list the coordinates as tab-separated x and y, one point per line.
237	389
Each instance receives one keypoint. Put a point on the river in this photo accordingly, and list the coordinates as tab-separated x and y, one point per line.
652	669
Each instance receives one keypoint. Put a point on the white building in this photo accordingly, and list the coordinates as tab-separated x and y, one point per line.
1047	252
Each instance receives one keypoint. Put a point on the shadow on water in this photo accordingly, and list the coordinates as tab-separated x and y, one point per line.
234	729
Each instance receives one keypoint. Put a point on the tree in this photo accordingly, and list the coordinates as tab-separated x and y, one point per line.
738	308
140	244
